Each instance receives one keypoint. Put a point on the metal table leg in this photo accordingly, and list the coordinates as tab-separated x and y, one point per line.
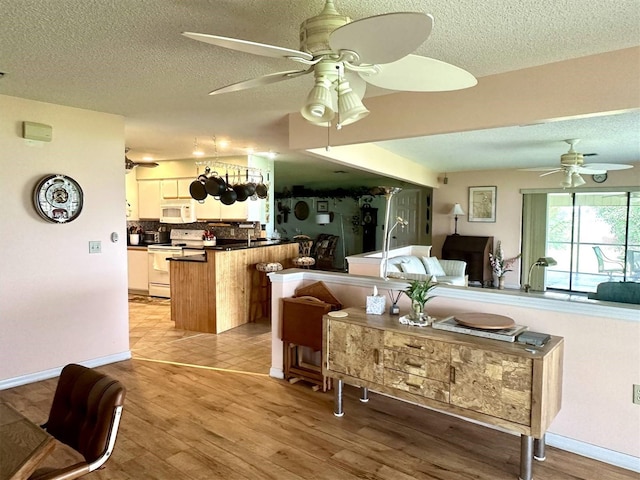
364	395
337	399
539	449
526	457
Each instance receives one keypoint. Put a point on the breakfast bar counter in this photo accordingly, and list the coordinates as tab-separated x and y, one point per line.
211	292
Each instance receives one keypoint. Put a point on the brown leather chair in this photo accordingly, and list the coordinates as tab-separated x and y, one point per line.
85	415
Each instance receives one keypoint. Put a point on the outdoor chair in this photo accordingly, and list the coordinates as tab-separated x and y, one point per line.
607	265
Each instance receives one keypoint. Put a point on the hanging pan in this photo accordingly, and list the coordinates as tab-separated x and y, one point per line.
229	196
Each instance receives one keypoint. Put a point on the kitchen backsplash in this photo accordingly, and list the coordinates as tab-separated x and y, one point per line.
231	231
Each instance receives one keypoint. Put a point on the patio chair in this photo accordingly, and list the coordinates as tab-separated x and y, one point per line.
607	265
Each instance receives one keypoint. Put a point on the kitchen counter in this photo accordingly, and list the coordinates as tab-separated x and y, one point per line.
212	292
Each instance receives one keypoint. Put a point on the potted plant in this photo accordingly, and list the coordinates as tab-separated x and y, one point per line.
501	266
418	292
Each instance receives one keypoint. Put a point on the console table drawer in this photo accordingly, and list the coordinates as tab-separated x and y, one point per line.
416	345
417	365
417	385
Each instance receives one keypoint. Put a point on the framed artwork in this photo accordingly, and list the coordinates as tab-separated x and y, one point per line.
482	204
322	205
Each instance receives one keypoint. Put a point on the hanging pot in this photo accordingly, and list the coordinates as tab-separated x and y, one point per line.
251	186
215	185
197	189
241	190
229	196
261	189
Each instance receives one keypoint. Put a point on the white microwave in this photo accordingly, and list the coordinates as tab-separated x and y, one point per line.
181	211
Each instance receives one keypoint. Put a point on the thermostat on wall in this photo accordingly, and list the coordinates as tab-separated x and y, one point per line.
37	131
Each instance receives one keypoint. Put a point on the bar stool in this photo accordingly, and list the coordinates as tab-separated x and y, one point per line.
261	296
304	260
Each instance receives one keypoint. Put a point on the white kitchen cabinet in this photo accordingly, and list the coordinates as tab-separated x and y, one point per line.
149	199
213	209
138	270
131	190
173	188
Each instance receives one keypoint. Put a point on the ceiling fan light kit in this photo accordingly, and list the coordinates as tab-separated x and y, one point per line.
345	55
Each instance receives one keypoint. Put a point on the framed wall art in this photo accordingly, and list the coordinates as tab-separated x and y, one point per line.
322	205
482	204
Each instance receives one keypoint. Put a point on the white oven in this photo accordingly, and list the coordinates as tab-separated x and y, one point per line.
159	277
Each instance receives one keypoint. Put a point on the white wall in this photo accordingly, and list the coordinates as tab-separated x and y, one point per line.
58	304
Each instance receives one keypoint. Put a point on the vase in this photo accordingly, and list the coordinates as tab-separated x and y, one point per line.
416	311
500	283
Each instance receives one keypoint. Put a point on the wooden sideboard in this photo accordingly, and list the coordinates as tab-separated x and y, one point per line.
473	250
503	384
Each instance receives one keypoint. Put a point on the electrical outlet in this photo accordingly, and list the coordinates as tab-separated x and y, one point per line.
95	246
636	394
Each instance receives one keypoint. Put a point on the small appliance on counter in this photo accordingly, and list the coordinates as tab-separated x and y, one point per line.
152	237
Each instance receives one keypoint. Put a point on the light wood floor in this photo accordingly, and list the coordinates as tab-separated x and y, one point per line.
232	421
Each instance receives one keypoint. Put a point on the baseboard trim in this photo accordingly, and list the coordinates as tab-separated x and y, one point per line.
55	372
622	460
276	373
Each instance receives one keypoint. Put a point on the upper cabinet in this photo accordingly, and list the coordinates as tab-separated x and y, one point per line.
149	199
173	188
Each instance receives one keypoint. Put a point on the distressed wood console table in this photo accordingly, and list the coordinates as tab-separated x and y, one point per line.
507	385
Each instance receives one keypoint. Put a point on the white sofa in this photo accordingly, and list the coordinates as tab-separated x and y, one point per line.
413	267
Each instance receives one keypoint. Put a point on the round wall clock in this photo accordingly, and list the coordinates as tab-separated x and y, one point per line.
58	198
599	177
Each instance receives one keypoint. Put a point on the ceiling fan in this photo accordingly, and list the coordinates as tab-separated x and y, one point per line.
572	165
344	55
130	164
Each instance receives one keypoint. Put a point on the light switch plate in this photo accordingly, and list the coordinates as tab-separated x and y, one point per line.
95	246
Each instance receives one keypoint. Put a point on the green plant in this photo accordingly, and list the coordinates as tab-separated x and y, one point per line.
418	291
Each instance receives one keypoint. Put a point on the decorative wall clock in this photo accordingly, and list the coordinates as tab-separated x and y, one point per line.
58	198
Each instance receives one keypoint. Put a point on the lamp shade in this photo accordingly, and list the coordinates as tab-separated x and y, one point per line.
456	210
546	262
323	219
350	106
319	106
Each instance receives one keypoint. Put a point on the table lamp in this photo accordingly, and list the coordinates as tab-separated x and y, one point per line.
541	262
456	211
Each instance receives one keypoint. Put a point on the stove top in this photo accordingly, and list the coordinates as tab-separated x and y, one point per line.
181	237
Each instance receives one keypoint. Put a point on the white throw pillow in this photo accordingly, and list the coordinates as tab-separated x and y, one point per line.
433	267
412	265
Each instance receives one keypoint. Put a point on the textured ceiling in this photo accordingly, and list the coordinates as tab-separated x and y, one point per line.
127	57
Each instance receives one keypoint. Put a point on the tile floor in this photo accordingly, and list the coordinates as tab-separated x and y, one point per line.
153	337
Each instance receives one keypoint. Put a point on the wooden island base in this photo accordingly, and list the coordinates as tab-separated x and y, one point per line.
212	294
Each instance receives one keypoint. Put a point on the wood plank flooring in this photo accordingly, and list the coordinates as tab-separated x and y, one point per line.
216	419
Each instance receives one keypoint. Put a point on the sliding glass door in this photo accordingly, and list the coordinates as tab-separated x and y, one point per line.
594	237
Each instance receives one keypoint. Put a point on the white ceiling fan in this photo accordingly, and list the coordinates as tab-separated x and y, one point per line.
573	166
344	55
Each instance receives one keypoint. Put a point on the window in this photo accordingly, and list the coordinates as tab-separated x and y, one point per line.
593	235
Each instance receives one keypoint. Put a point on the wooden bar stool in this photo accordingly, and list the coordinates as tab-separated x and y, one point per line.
261	295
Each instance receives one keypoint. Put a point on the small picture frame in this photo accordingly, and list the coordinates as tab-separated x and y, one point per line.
322	205
482	204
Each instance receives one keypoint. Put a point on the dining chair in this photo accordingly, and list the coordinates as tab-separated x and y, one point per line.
607	265
304	260
85	415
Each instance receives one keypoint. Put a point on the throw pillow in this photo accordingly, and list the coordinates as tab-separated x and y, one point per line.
412	267
433	267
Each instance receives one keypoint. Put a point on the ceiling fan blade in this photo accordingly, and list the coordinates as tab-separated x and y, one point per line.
552	171
383	38
260	81
590	171
414	73
146	164
607	166
540	169
249	47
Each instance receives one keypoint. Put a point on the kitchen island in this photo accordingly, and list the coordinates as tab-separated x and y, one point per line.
211	292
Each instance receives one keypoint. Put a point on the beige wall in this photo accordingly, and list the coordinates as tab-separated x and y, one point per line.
601	360
58	304
507	227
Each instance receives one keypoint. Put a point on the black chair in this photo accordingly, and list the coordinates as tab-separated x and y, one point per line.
85	414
